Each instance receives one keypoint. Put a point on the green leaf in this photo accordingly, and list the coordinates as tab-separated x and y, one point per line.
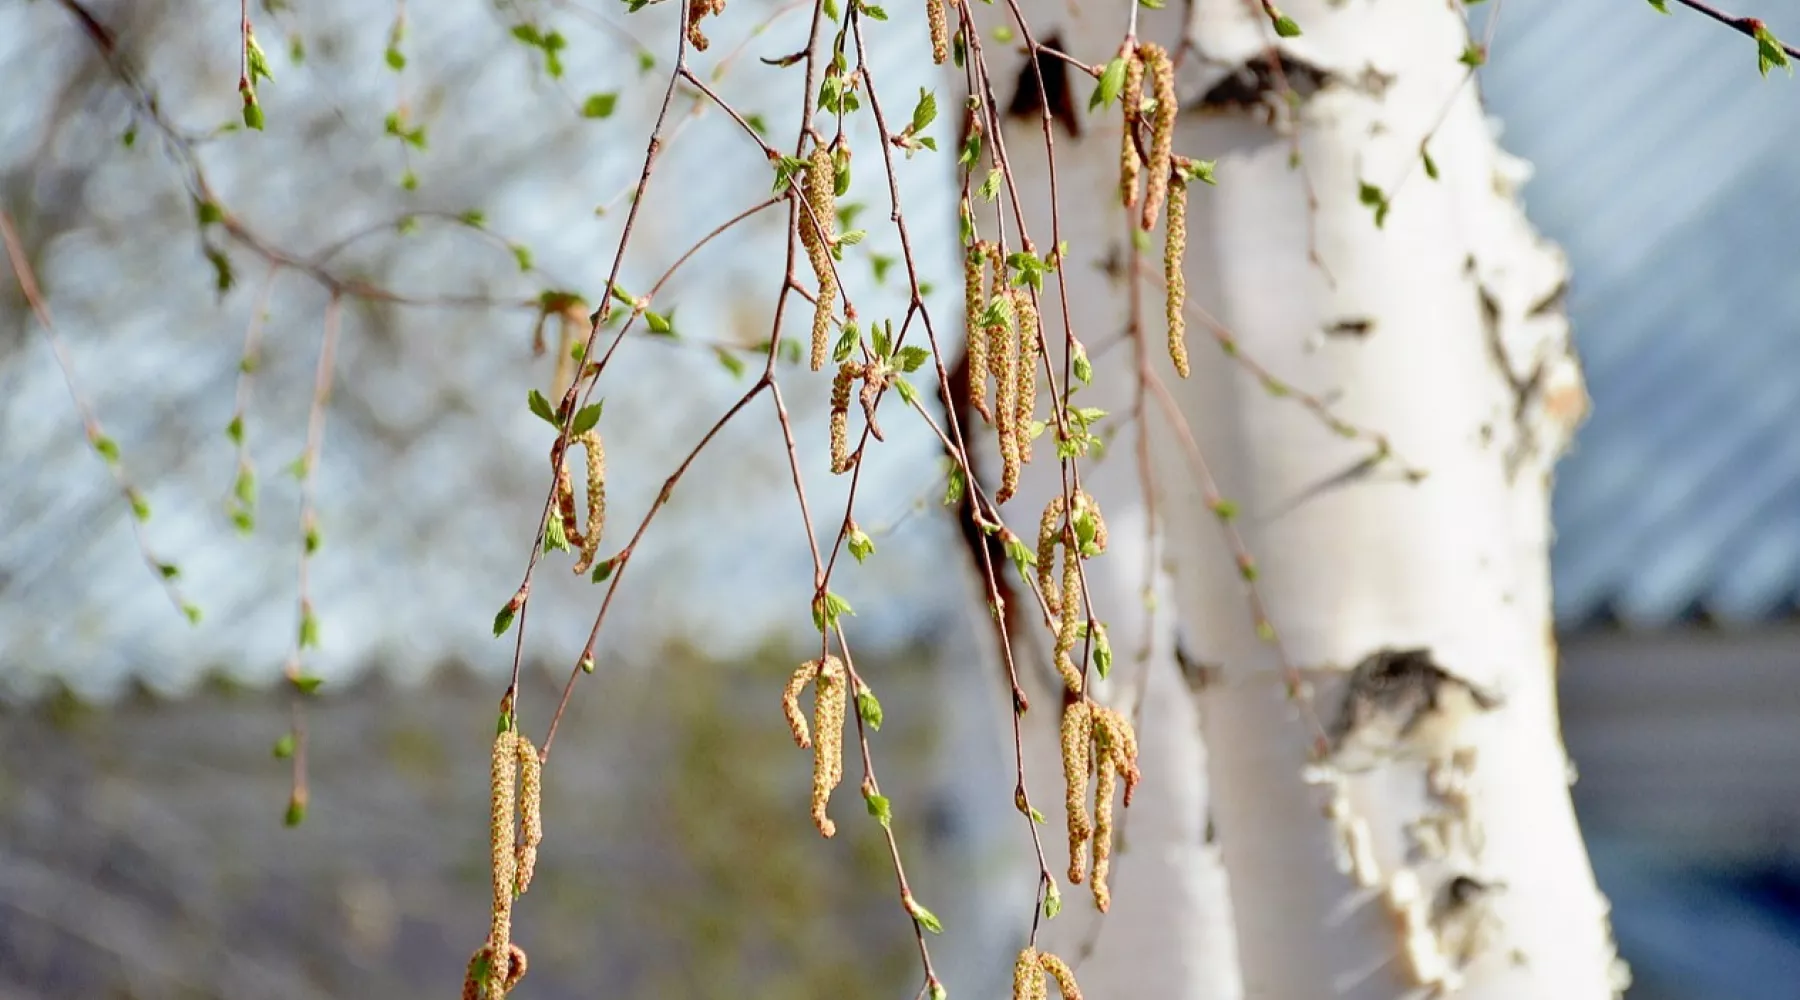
1285	26
208	212
222	277
108	449
869	708
472	217
602	571
309	629
1052	902
1021	555
990	186
253	112
1473	55
587	417
730	361
169	571
140	508
926	918
556	536
541	406
971	151
1103	654
1112	82
311	543
129	139
1431	168
396	59
528	34
284	747
908	394
296	811
880	808
956	487
600	105
846	343
522	254
828	609
659	324
1662	6
587	664
192	611
306	683
1769	51
244	488
504	620
861	547
913	357
1375	198
1084	369
924	112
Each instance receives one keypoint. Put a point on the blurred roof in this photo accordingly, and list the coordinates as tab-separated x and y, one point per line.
1681	497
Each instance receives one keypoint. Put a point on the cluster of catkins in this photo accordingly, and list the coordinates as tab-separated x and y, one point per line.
1002	322
515	831
1034	969
1097	741
1164	177
831	699
564	526
874	378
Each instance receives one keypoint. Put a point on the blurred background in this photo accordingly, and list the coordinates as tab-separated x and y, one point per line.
141	848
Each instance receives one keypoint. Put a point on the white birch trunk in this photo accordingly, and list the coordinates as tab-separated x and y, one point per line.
1454	865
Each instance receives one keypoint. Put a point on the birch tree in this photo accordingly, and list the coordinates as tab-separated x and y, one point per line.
1297	372
1351	495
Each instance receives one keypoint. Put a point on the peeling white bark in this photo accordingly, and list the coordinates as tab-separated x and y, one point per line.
1449	862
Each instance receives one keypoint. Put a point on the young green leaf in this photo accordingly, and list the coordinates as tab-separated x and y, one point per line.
869	708
541	407
587	417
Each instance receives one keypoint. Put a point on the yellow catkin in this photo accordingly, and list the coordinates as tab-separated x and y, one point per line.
1028	977
1133	99
996	292
1104	783
974	297
841	459
1070	624
1077	761
790	703
588	541
697	11
1049	535
503	802
1026	317
939	19
830	699
531	812
818	226
1175	282
1005	362
1065	977
1161	74
1123	750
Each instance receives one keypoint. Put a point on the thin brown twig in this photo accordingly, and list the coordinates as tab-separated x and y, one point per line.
1747	26
166	573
